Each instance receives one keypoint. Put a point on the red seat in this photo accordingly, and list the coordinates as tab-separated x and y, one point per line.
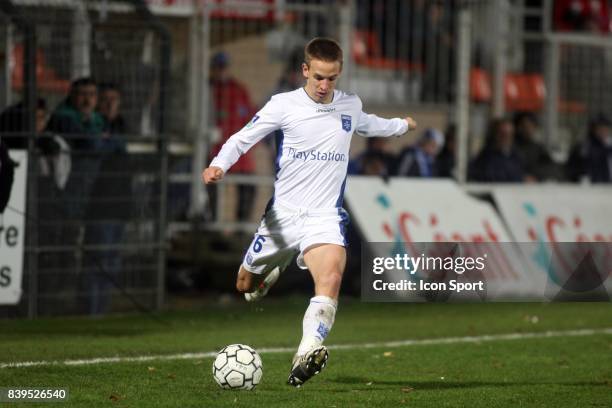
522	92
367	52
480	85
46	78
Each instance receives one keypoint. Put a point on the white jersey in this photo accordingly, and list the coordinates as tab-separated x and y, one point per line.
313	144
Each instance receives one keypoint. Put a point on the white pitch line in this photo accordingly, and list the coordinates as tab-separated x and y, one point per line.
277	350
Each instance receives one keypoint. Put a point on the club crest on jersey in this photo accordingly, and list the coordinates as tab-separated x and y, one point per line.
346	122
252	122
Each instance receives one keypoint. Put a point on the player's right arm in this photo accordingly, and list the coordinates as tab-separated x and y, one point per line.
266	121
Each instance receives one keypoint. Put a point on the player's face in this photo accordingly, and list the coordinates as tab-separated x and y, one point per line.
321	78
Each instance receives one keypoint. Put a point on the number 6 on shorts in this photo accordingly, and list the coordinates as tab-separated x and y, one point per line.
258	244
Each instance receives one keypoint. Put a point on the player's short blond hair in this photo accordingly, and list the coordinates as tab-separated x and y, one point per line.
324	49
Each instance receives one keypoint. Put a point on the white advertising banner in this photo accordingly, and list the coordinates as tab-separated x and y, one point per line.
12	232
563	226
415	214
244	9
556	213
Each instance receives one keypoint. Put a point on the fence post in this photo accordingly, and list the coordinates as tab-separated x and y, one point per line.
201	138
8	48
162	144
462	104
551	107
500	63
194	77
81	41
164	83
551	77
344	35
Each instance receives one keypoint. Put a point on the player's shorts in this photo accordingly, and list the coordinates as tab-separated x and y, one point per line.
286	231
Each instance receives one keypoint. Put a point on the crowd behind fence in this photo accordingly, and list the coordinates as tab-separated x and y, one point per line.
96	199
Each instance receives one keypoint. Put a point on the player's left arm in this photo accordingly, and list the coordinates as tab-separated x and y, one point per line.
370	125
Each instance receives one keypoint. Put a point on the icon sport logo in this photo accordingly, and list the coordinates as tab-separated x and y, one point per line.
346	122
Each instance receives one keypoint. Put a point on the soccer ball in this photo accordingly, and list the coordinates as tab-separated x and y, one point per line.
237	367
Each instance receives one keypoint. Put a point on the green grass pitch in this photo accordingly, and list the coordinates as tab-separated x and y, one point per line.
559	371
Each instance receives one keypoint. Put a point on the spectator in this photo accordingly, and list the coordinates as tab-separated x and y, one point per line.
109	106
77	120
419	160
13	123
498	161
374	160
582	15
534	158
375	163
593	157
445	161
55	153
232	110
106	211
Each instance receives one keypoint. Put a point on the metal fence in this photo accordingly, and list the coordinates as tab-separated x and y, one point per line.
404	51
96	202
526	59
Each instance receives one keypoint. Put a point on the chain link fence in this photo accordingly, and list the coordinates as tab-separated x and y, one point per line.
96	201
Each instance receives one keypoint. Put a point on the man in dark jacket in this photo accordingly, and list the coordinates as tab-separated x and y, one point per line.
593	157
498	161
374	160
534	158
78	122
445	160
13	124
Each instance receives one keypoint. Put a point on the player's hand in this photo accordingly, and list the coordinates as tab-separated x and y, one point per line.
212	175
411	123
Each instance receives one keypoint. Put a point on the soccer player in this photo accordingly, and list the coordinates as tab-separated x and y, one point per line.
314	126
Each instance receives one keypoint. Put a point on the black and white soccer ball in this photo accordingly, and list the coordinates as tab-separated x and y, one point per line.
237	367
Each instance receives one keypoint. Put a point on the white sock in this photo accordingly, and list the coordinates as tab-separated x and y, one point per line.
318	321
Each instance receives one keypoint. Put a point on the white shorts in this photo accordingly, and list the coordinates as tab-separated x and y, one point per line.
286	231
